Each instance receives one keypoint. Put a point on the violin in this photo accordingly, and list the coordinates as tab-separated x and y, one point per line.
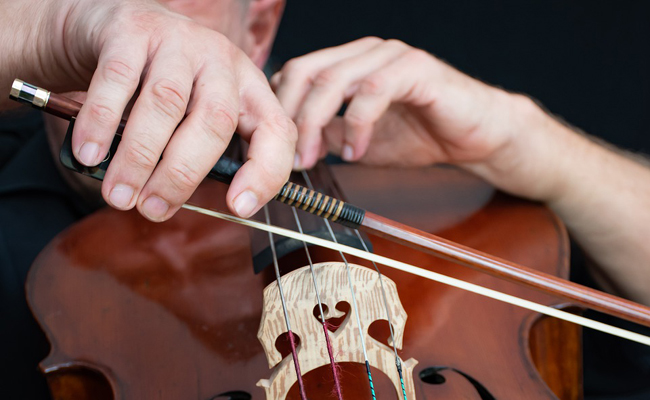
140	310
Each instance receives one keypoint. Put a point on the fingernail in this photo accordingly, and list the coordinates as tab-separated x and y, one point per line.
88	154
245	204
121	195
347	153
155	208
296	161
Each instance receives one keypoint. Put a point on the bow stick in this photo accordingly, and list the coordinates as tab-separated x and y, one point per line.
351	216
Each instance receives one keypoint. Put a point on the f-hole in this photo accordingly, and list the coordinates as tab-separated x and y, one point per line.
432	376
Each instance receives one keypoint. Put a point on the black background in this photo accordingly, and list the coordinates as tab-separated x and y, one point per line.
586	60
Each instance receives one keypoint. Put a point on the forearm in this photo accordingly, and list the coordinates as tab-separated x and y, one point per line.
418	111
601	194
23	42
45	43
606	207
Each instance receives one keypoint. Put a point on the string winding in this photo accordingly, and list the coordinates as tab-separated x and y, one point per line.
292	339
328	342
398	362
354	297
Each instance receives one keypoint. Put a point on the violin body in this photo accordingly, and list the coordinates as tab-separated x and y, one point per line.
137	310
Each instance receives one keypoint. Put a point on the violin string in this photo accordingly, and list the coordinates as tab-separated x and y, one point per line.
434	276
330	352
354	297
292	339
356	311
398	362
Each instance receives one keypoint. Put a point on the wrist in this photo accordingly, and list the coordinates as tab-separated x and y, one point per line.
90	25
545	144
26	25
60	47
533	151
41	47
77	48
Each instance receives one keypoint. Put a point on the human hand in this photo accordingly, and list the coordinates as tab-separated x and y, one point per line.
194	89
405	107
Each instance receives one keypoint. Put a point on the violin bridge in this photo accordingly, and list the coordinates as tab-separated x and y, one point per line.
301	300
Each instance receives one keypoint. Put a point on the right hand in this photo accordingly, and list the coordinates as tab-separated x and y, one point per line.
405	107
195	88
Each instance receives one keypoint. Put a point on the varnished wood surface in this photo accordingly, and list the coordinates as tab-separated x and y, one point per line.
520	274
171	311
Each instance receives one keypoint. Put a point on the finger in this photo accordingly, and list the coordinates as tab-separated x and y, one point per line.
195	146
379	153
296	76
333	136
157	112
115	80
329	89
275	80
272	137
402	80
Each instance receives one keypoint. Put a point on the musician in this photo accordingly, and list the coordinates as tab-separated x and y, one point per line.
405	107
197	77
192	81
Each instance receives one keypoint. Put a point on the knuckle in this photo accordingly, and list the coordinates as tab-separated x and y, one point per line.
286	129
219	118
121	73
273	175
142	21
372	85
356	120
294	67
304	124
141	155
136	19
372	39
102	114
184	176
169	98
395	43
417	56
217	138
326	77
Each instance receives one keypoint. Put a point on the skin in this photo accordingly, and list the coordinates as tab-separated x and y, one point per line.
189	70
195	87
407	108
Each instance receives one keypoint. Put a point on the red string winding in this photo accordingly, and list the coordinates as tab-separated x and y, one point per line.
294	353
336	373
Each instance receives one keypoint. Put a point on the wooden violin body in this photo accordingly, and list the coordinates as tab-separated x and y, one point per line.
137	310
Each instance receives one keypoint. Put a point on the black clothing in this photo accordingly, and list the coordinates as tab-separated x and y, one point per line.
35	205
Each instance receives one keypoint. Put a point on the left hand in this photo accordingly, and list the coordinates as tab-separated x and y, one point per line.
408	108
